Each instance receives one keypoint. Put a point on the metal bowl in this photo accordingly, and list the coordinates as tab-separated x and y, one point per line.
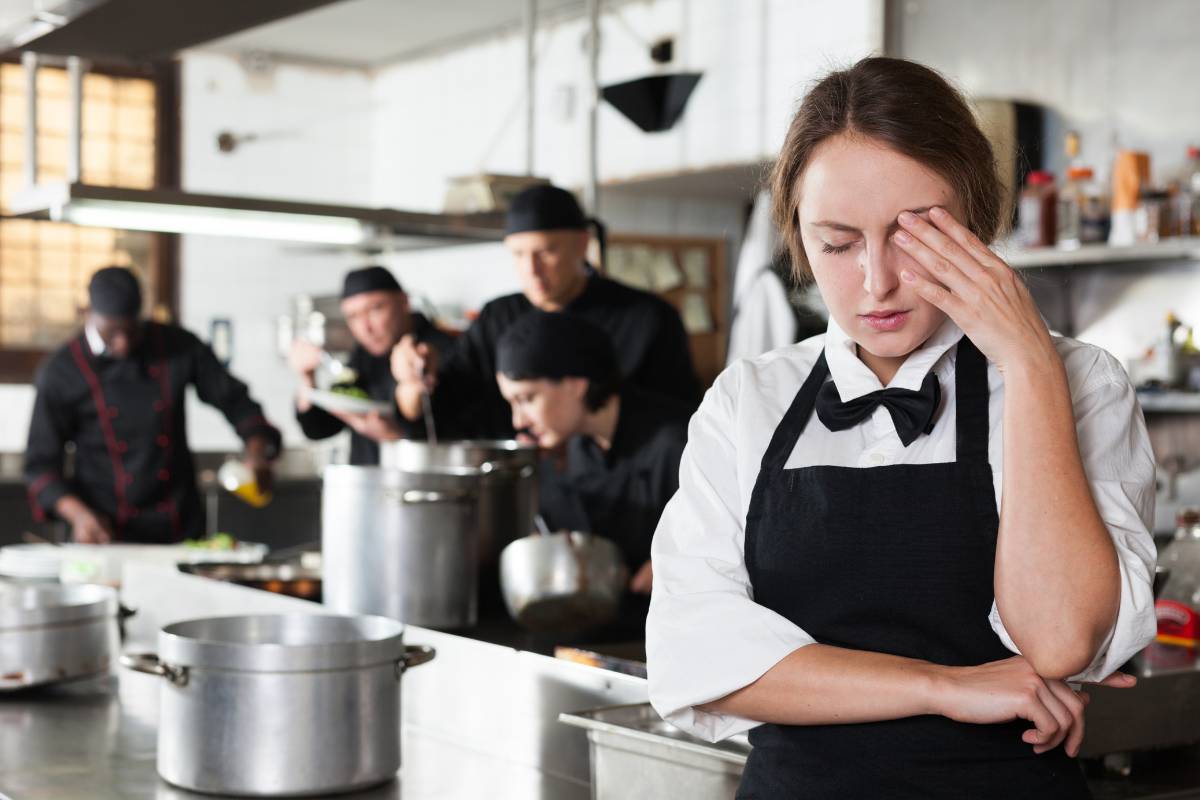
563	581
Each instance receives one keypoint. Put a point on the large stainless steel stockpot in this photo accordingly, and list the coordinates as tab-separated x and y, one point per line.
402	544
52	632
508	481
282	705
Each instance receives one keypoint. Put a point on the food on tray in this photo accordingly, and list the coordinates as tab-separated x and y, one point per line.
218	541
350	390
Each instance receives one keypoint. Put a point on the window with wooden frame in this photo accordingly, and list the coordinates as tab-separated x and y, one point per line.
129	139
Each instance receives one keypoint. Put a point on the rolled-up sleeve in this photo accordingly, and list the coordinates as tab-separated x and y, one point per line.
1119	463
705	635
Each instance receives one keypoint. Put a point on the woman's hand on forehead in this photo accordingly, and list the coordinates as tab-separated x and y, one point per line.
984	296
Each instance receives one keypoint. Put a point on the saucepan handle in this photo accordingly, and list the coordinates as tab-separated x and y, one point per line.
414	656
150	665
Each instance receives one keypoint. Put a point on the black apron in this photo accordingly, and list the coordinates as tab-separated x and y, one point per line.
895	559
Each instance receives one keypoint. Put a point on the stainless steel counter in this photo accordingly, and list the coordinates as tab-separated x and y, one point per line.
480	720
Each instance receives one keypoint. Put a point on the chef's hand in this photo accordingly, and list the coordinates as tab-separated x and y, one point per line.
974	287
414	365
257	460
1003	691
87	527
373	425
643	581
304	358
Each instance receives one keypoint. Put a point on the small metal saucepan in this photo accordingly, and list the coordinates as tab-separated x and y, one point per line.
562	581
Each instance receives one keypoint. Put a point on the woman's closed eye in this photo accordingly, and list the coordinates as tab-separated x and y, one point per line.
835	249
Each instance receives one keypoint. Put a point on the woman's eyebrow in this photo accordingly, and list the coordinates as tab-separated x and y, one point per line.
841	226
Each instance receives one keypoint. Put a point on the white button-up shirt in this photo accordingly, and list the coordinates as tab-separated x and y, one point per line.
706	637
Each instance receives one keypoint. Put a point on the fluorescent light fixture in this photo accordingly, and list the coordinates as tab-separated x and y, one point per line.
173	211
166	218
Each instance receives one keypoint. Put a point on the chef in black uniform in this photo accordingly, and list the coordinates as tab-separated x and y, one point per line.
547	234
620	444
116	391
378	314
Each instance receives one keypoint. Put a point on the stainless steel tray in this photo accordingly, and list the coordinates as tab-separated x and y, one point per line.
636	754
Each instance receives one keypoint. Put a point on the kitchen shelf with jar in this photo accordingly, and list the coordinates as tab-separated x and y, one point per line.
1167	250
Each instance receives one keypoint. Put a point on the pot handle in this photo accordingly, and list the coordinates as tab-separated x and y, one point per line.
149	664
414	656
423	497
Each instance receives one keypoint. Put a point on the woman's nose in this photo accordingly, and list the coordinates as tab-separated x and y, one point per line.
881	270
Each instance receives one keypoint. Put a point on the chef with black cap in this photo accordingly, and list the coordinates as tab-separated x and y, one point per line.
621	445
116	391
377	311
547	234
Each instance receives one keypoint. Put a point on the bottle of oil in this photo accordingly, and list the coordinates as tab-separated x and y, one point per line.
239	480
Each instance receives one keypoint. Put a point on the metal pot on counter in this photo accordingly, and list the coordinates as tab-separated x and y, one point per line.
406	540
280	705
507	472
52	632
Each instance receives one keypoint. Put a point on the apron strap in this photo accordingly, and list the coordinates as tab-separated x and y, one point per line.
795	418
972	396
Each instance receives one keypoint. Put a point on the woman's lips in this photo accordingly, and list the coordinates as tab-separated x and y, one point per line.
886	321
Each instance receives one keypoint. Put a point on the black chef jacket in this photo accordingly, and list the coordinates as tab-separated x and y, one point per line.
127	421
647	334
619	493
375	378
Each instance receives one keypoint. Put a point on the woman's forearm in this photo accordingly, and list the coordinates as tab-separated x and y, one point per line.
819	684
1057	580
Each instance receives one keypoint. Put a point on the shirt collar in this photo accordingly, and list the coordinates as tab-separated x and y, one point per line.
854	379
95	341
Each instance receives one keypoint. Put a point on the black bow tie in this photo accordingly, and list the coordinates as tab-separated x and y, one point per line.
912	412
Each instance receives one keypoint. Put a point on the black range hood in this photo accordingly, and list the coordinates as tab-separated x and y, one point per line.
141	30
654	103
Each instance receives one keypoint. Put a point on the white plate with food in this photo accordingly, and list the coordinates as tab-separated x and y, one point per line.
345	402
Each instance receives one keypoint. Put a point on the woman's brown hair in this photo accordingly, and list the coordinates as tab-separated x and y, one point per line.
906	107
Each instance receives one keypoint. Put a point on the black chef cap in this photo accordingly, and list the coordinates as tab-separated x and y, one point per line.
115	292
369	279
553	345
549	208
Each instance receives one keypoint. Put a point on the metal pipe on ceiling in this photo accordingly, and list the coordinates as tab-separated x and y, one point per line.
591	186
531	11
75	70
29	61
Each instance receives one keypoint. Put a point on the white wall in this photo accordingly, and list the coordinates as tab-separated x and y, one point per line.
462	112
315	128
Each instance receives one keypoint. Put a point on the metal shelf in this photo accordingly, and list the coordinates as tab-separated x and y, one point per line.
1169	402
1180	249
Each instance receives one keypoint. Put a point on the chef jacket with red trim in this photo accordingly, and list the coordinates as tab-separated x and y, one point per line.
127	421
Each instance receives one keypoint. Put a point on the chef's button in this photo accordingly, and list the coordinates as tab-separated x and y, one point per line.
133	514
128	479
162	440
122	447
112	412
159	405
877	458
164	475
154	372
